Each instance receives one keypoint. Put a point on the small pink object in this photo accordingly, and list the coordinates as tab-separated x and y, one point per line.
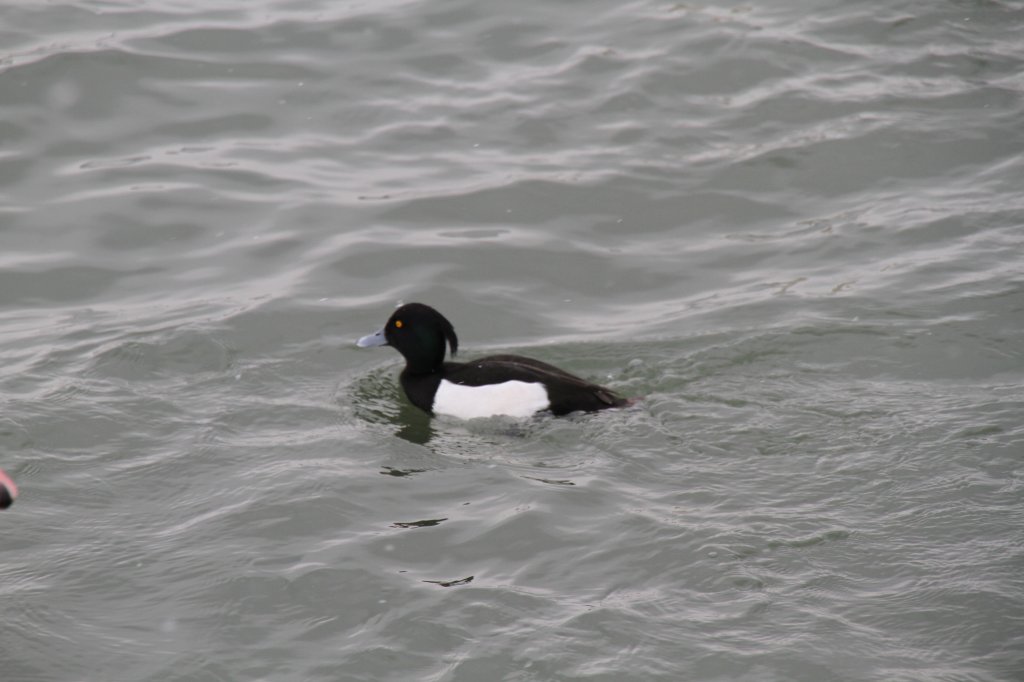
8	491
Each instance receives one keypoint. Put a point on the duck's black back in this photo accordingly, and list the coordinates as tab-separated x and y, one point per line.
566	392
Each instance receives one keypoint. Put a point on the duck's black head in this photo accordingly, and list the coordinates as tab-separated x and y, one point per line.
419	333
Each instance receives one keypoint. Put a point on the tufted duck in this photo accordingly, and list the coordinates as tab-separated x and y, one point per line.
508	385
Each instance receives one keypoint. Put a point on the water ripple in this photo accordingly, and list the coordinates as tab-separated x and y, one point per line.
793	232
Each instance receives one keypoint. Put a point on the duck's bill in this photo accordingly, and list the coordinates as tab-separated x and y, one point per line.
375	339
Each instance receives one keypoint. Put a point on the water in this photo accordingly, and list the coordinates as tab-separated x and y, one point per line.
794	228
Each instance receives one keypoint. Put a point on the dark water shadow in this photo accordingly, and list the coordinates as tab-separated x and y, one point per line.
414	425
377	399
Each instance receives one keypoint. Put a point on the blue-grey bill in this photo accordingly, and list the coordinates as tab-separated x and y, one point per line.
375	339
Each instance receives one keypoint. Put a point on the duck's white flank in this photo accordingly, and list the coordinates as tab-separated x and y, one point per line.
510	398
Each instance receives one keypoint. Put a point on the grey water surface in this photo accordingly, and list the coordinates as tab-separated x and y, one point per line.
795	229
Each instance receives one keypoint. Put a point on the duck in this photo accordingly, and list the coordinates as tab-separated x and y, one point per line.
496	385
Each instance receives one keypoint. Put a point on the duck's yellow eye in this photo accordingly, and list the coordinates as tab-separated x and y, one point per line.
398	324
